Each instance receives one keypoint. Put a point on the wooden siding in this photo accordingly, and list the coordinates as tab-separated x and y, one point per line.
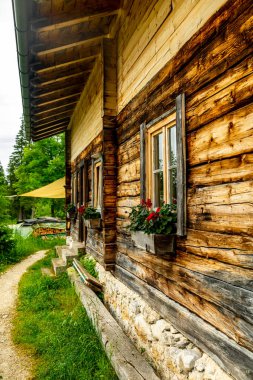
147	30
86	122
212	273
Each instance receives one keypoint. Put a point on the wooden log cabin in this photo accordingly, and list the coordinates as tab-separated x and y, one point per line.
115	75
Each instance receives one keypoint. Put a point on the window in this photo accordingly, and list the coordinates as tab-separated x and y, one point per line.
97	182
163	161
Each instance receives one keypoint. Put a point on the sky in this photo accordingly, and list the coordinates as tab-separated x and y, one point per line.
10	94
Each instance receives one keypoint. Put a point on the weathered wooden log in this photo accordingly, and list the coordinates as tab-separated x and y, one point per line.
126	360
234	359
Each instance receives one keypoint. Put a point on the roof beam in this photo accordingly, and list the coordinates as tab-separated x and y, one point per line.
35	119
60	92
51	123
82	42
70	20
47	134
61	124
55	108
40	84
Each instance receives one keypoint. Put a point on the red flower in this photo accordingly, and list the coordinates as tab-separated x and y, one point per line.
81	209
148	203
143	203
151	216
158	210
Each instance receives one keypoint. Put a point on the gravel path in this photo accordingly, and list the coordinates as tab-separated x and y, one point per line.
14	364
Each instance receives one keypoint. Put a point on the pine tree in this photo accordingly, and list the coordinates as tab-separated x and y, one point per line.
4	202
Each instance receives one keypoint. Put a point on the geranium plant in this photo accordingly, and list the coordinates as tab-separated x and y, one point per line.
160	221
91	213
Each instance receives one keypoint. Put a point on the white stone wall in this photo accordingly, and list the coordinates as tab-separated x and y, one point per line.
172	355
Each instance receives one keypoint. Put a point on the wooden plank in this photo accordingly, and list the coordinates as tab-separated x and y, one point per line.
172	277
233	89
195	65
218	316
181	165
129	172
173	34
69	20
129	150
231	249
128	189
234	359
227	136
233	169
127	361
227	208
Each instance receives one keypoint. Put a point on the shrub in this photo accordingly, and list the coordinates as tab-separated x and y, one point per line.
7	244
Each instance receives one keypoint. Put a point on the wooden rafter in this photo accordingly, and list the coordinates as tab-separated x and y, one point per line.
56	67
40	84
85	42
43	118
47	110
50	123
69	20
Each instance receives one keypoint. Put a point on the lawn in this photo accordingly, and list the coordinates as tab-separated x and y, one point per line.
53	326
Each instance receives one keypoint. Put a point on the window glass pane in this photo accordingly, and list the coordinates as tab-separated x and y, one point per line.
173	146
172	184
158	189
158	151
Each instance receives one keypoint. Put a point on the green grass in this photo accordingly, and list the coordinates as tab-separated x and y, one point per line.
90	265
25	247
52	324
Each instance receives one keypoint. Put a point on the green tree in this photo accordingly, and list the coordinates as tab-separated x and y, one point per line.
4	202
21	141
42	162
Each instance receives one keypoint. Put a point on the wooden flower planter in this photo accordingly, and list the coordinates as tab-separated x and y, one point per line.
156	244
92	223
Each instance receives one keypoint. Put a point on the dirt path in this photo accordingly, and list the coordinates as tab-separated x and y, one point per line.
14	364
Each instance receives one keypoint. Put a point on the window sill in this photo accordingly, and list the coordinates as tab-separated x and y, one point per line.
156	244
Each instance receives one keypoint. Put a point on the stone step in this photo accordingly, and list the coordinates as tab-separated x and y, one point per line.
59	266
68	255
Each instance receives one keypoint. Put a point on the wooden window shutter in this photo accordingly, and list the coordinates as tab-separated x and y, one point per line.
143	161
181	165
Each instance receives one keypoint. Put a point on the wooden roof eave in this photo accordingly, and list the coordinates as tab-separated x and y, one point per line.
49	90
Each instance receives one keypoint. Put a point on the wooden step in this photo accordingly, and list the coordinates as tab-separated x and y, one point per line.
59	266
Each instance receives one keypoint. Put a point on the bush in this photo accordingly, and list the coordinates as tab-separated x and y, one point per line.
14	247
7	244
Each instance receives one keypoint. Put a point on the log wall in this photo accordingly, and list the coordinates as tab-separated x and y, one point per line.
211	275
86	122
148	29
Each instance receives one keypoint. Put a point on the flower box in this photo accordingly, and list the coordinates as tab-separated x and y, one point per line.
92	223
156	244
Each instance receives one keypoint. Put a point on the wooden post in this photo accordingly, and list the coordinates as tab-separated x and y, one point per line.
109	194
67	174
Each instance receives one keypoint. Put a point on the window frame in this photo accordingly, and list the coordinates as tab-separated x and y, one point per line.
162	126
179	111
97	183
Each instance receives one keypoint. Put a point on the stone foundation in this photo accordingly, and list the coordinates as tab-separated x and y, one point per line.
171	354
